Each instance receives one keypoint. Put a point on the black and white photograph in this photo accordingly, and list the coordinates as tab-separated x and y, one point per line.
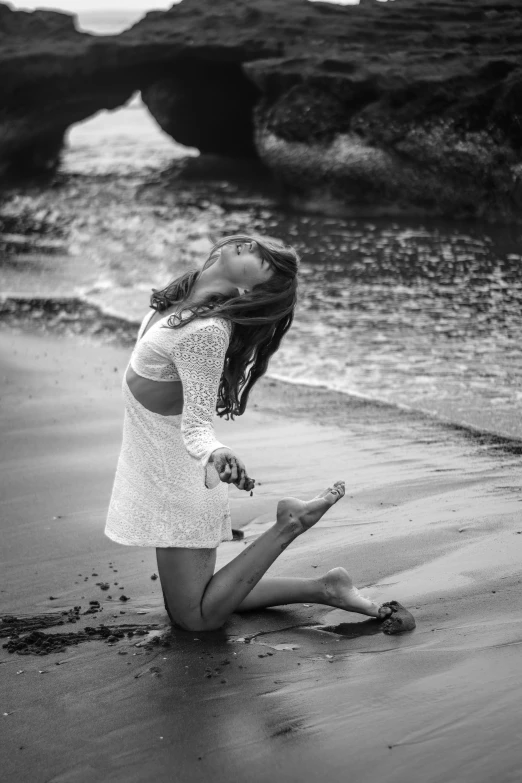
261	391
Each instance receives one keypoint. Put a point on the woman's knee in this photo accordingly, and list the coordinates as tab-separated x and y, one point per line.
184	576
190	622
181	619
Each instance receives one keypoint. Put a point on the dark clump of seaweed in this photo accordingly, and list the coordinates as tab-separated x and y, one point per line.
25	637
40	643
17	624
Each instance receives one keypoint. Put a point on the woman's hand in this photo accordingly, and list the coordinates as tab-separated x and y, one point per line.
231	469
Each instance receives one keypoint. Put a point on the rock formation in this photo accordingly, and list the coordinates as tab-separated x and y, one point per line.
382	108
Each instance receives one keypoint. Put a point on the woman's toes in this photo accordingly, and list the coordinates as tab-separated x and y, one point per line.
335	493
339	488
363	604
332	493
328	497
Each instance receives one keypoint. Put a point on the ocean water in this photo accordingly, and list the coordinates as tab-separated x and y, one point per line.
425	314
419	313
120	142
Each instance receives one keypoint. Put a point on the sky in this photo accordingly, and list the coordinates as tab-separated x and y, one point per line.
73	6
102	17
107	17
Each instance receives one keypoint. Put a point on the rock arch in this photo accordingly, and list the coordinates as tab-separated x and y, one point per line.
207	105
405	105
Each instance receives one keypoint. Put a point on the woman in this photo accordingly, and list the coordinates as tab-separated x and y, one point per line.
206	343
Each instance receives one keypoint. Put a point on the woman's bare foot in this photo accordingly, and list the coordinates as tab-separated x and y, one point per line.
300	515
341	593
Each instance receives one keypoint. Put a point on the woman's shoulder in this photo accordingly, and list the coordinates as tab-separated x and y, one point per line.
208	324
211	334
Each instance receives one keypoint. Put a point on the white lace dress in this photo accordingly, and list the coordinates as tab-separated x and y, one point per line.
165	494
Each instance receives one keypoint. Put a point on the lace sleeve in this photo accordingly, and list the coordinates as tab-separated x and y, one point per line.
199	357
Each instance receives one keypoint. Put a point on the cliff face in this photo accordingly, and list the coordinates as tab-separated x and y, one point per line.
405	106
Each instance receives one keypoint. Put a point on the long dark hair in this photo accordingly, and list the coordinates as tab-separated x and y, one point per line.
259	318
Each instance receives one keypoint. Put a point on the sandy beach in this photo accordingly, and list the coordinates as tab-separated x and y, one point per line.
432	518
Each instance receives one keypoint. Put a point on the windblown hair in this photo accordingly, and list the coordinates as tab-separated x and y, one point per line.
259	318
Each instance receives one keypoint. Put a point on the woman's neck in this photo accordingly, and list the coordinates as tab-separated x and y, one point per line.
211	281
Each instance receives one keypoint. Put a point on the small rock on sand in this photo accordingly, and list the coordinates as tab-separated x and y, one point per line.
399	621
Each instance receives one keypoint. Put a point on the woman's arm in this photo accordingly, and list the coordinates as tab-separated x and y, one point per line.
199	357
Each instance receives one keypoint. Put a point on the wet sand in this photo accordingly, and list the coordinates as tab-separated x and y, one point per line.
432	518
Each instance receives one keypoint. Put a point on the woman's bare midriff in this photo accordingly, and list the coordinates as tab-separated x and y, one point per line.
164	397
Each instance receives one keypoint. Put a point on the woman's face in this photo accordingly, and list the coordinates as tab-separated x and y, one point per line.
243	264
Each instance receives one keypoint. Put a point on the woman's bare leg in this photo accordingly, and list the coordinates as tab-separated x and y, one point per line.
279	590
335	588
197	599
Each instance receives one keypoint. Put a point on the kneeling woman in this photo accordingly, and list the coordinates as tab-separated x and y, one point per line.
207	341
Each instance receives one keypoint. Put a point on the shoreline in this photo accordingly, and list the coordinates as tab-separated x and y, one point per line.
106	325
431	518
